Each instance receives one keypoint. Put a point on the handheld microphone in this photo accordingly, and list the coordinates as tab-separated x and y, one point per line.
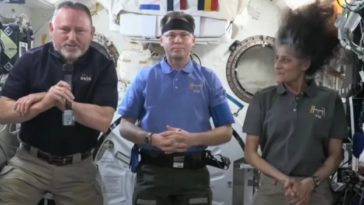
68	115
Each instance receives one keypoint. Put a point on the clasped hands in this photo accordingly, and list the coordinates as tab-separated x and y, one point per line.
56	96
173	140
298	193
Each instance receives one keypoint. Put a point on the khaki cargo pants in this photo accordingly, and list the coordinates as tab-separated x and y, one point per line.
272	192
27	179
166	186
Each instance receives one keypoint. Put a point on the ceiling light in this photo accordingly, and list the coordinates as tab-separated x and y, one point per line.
50	2
47	2
294	4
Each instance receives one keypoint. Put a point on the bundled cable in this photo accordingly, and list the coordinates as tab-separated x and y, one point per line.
354	180
196	56
349	20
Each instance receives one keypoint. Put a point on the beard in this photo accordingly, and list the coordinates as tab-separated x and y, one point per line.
71	51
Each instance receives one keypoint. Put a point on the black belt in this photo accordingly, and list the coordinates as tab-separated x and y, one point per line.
194	160
55	160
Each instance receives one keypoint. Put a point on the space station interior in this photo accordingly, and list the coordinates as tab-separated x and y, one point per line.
237	184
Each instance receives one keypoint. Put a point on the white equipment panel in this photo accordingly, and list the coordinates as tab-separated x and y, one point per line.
217	9
9	142
118	181
205	27
146	28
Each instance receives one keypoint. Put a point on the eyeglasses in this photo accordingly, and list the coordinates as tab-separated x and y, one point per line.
172	36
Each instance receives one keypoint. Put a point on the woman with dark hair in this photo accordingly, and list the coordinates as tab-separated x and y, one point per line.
298	125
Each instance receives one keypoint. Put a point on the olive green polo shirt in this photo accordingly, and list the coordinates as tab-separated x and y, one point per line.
295	130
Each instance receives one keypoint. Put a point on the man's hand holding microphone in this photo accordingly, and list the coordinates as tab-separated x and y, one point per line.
56	96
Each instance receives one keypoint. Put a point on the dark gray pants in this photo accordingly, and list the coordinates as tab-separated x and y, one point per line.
272	192
166	186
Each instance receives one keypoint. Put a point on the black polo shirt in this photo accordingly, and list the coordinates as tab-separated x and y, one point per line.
94	82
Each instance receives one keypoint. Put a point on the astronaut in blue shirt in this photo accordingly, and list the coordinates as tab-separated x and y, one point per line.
173	102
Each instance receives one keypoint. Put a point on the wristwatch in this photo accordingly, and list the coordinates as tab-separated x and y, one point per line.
315	181
148	138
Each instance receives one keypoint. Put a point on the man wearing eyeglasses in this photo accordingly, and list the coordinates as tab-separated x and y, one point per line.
174	101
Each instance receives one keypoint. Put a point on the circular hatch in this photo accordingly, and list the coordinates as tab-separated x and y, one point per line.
250	66
106	47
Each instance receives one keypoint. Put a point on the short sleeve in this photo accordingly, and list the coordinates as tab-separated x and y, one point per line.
253	123
217	91
339	128
133	101
106	89
221	115
17	84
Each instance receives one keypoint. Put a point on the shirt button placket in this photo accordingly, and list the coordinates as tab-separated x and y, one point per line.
175	82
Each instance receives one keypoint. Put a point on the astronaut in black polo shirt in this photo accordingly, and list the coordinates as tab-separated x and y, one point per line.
53	157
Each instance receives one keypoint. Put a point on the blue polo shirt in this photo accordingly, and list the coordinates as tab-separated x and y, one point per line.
186	99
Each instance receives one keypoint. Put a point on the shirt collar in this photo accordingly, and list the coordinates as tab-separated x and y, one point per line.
166	69
80	60
310	90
